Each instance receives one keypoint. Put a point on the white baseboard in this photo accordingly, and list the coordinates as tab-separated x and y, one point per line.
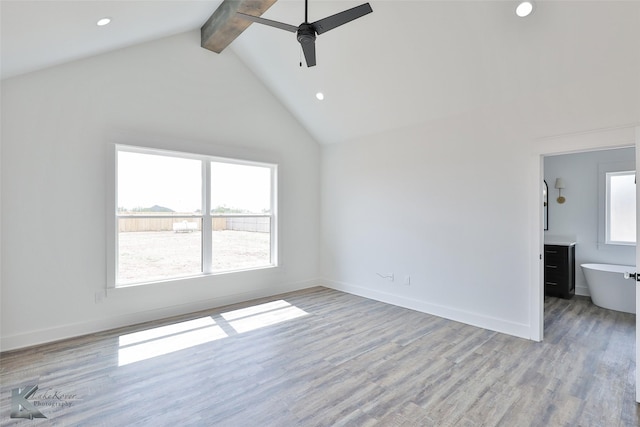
582	290
46	335
473	319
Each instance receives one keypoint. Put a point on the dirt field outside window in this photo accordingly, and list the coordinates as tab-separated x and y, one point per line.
157	255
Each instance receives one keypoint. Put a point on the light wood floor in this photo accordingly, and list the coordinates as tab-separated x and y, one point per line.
340	360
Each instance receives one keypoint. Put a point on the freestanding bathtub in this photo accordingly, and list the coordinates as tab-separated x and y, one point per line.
608	287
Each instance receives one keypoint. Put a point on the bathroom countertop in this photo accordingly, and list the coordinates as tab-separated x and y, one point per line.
559	239
559	242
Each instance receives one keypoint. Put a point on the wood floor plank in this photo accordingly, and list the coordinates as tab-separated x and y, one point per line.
320	357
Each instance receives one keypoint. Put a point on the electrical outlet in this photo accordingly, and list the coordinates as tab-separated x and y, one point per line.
388	276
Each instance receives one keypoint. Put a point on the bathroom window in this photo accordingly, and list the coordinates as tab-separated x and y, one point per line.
621	208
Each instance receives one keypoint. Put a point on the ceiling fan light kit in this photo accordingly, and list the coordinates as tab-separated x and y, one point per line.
307	32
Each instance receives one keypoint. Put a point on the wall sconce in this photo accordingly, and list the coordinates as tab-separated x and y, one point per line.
560	185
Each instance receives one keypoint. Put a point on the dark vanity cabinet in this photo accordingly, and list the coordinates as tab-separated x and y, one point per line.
559	270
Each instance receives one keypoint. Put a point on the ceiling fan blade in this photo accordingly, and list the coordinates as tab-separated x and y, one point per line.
333	21
309	50
268	22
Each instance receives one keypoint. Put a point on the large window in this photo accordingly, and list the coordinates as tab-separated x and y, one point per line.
621	208
181	215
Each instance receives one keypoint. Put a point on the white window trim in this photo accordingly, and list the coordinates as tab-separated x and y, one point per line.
608	240
206	217
603	223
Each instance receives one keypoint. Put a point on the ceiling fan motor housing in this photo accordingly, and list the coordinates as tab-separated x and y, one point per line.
306	33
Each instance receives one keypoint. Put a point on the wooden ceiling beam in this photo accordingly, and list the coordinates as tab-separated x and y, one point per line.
224	26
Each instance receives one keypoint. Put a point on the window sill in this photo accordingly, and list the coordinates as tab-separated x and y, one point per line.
188	278
613	245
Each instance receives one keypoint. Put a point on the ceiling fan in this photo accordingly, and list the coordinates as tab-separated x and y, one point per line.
307	31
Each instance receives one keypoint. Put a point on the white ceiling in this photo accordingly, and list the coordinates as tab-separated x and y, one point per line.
406	63
39	34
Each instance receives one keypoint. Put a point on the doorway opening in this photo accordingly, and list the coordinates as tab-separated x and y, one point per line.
577	217
546	148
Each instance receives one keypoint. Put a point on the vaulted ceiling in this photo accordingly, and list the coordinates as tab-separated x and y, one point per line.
406	63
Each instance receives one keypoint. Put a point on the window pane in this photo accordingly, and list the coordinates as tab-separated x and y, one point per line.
158	248
240	189
241	243
160	222
622	207
149	184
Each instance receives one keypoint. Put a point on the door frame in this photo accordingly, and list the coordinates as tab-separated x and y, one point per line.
637	132
594	140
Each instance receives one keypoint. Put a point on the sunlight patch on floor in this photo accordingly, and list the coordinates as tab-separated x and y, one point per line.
259	316
167	339
143	345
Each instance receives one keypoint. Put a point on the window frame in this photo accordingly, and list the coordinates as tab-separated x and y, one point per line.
604	169
206	216
607	202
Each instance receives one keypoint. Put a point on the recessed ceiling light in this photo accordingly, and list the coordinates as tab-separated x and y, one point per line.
320	96
103	21
524	9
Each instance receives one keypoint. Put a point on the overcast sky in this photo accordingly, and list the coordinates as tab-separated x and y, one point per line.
145	180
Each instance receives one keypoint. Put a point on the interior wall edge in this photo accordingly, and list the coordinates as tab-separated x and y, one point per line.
47	335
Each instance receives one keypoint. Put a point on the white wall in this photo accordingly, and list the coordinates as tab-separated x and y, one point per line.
580	217
454	203
444	204
57	128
